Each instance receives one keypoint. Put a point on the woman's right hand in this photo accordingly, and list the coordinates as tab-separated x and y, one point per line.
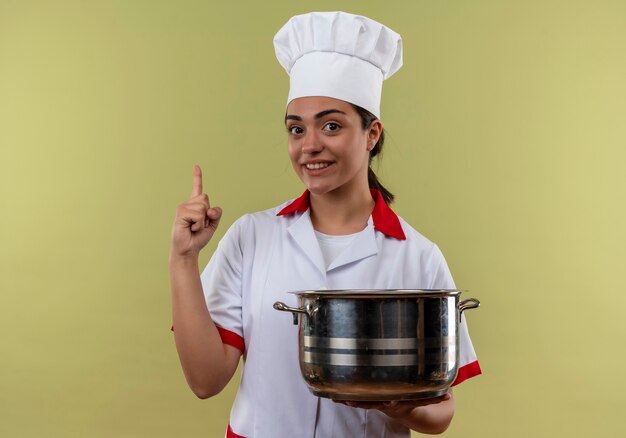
195	221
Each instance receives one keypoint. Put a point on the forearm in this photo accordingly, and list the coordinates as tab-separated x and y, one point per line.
207	363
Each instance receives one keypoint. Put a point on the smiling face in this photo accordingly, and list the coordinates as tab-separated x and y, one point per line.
328	147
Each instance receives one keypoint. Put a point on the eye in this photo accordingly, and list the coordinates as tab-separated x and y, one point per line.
295	130
331	126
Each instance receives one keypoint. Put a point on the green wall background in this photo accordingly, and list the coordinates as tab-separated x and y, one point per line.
507	138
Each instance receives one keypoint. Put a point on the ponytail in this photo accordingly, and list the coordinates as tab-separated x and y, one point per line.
366	120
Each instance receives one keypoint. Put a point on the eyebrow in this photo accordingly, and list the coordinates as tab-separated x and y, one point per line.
317	116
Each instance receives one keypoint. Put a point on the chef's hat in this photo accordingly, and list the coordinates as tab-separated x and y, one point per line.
338	55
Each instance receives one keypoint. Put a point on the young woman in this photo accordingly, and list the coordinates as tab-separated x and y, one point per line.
340	234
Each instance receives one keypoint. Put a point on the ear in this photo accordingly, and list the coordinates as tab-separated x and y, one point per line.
373	134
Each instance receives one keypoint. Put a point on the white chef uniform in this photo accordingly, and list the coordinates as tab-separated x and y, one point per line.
266	254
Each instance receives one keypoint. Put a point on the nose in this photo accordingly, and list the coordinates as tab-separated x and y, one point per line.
311	144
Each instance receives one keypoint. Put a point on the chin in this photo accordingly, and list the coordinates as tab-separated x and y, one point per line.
321	189
317	189
318	185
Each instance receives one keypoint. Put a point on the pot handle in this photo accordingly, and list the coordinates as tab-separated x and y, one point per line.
279	305
470	303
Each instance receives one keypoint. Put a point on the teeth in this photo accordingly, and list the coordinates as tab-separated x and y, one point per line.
313	166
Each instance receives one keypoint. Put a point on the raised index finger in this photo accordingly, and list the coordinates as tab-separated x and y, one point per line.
197	181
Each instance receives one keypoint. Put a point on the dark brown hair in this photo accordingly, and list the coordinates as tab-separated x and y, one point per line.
366	120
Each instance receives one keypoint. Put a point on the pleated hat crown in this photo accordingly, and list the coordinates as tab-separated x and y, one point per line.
339	55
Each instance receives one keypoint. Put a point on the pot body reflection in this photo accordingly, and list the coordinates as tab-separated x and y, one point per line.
379	345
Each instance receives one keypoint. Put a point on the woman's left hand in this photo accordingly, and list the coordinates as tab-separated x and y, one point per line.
395	408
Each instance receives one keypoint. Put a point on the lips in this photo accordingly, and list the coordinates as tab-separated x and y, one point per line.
317	167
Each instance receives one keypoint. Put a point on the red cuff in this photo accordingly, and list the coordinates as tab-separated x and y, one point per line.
231	338
231	434
467	371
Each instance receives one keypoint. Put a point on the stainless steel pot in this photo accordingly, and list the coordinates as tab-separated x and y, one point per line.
379	344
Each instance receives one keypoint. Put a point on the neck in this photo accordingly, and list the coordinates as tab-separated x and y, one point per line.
341	211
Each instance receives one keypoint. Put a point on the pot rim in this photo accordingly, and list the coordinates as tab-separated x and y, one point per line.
405	293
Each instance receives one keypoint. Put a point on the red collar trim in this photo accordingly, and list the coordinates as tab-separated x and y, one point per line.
385	220
301	204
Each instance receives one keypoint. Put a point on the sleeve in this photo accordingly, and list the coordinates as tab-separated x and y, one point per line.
442	279
221	283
